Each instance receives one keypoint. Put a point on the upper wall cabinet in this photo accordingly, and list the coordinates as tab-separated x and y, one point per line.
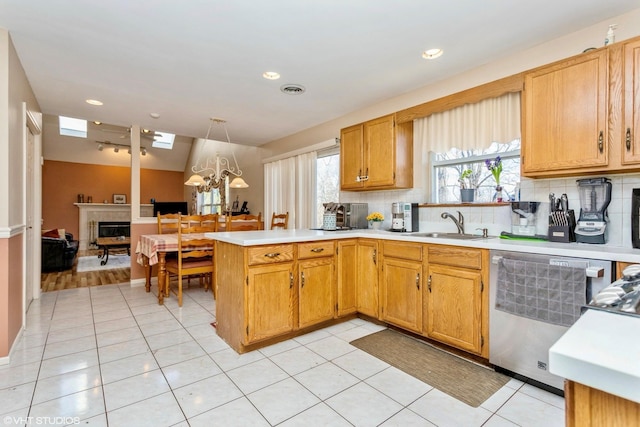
630	52
579	115
376	155
565	116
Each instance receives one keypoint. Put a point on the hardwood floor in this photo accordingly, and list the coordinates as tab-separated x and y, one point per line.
70	279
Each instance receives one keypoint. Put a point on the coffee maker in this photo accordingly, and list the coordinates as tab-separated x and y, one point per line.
595	196
404	217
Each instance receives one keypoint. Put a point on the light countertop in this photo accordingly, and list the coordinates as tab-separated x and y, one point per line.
579	250
601	350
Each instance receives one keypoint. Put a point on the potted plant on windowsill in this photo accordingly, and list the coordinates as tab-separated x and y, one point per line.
467	189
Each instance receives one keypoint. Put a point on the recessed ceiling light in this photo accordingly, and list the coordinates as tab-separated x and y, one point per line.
94	102
432	53
271	75
97	122
154	115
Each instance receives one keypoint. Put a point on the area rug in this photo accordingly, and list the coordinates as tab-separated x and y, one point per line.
461	379
92	263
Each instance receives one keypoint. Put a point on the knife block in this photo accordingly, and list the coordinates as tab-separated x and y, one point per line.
563	233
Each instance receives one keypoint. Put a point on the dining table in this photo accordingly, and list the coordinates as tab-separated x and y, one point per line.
152	250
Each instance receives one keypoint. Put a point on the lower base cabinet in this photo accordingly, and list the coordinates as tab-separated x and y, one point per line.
366	267
456	300
316	286
589	407
453	307
401	293
269	301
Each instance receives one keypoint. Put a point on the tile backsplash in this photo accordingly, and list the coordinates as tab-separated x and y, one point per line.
497	219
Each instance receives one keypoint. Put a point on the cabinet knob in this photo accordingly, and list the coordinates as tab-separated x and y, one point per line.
627	139
317	250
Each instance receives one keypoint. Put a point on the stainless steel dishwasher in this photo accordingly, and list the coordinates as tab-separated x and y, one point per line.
533	300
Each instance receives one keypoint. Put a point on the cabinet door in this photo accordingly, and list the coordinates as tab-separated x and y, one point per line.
367	282
347	277
453	303
631	117
351	149
379	152
565	116
269	301
401	293
316	284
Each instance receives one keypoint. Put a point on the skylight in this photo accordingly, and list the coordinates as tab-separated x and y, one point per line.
164	141
73	127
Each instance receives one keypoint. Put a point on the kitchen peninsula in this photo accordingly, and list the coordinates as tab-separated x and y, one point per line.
268	291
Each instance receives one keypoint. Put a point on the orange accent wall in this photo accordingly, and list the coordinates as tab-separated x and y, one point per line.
10	291
63	181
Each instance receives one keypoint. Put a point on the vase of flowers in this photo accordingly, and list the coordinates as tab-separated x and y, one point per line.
467	190
495	167
375	220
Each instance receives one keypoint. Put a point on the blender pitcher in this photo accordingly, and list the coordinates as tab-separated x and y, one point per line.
595	196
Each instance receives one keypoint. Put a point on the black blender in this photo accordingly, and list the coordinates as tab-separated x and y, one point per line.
595	196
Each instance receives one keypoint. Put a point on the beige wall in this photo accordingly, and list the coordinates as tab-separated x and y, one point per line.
14	90
571	44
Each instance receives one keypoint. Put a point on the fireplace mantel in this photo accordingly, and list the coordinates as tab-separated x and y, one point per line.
92	213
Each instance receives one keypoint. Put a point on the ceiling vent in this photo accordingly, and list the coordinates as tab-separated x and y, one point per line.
292	89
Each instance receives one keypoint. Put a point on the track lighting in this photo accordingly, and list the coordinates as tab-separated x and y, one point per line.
117	147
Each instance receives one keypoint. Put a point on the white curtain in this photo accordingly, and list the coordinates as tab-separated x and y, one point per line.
472	126
280	189
306	190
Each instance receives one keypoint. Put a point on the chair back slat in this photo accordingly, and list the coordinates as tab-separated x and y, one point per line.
280	221
244	222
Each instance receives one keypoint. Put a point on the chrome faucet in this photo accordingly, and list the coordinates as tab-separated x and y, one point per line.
458	222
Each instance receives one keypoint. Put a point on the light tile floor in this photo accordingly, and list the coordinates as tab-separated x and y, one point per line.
112	356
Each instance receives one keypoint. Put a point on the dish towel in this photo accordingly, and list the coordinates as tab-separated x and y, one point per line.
549	293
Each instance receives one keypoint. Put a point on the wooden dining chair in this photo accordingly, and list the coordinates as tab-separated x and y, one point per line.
190	223
168	223
244	222
195	257
208	223
280	220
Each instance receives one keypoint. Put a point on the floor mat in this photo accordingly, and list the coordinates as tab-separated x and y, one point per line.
464	380
92	263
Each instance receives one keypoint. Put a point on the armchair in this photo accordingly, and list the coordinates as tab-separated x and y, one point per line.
58	253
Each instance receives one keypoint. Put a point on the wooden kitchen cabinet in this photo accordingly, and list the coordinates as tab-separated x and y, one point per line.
269	301
376	155
347	275
564	117
455	299
630	52
588	407
270	291
401	285
316	283
367	277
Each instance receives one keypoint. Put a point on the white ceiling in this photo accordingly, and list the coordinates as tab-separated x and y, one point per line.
195	59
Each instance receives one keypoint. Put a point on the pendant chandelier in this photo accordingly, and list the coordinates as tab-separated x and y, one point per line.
214	172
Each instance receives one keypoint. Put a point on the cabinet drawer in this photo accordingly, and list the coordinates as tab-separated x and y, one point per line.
403	250
270	254
315	249
456	256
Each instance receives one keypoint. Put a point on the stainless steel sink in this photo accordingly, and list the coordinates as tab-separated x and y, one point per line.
448	236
